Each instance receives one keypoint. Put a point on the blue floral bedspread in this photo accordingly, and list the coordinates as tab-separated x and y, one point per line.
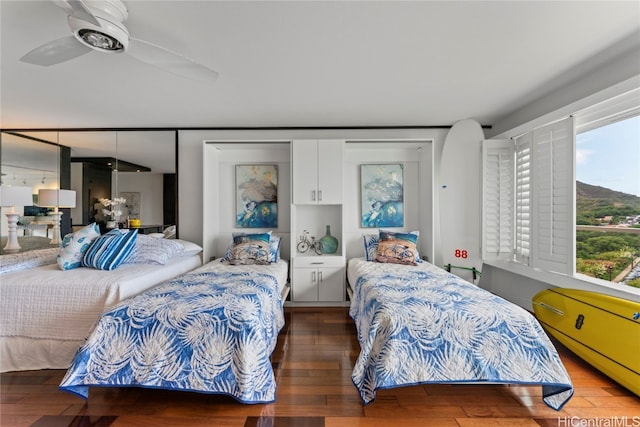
210	332
419	326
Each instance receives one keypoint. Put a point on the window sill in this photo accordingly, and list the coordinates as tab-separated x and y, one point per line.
579	281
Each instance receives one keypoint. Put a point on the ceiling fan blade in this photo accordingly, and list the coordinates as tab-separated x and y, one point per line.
77	9
170	61
56	51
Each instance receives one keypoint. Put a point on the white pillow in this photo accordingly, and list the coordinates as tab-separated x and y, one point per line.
190	248
170	232
149	250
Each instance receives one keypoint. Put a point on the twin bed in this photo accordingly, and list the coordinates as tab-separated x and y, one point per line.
213	330
419	324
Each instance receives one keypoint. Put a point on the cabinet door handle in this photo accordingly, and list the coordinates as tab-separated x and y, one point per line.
313	276
319	195
319	276
313	195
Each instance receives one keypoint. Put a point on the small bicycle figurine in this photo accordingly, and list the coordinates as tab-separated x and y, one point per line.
307	243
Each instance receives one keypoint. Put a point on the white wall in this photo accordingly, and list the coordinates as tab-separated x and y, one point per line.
219	191
191	163
417	161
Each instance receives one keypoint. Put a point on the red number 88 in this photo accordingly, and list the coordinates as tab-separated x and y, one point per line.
461	253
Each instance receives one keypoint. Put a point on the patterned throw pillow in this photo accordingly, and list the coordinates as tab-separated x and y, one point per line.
397	248
371	245
111	249
74	246
250	249
274	247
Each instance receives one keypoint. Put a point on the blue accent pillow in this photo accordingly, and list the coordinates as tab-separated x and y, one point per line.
111	249
74	246
274	249
370	246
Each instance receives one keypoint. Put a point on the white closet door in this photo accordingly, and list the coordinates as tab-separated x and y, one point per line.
330	171
304	160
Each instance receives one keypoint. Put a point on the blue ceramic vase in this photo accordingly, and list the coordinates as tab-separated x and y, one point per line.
329	243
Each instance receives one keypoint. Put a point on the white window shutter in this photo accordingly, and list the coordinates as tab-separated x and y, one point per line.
553	202
523	198
497	199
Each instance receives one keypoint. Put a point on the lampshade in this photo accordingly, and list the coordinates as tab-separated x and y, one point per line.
11	196
57	198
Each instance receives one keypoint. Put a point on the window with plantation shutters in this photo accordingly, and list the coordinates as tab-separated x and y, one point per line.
523	198
529	198
553	201
497	210
543	217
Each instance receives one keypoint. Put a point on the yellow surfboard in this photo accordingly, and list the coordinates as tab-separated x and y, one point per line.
601	329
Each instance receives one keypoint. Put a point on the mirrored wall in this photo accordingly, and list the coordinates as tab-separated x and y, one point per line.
137	168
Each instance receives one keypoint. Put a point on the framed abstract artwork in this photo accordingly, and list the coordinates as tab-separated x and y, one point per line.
382	195
256	196
132	204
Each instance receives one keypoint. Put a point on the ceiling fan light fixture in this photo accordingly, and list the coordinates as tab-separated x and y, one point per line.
108	37
99	40
99	25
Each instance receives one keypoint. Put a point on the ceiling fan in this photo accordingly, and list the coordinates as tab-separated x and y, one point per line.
98	25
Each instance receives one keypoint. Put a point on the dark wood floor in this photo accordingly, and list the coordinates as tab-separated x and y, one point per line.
313	361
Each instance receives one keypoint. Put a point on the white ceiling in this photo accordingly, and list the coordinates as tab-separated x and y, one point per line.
305	63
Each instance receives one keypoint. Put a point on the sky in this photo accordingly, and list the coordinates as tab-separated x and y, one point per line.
610	156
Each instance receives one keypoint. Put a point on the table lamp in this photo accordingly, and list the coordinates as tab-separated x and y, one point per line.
56	199
10	197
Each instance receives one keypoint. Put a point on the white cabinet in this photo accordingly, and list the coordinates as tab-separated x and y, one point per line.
317	183
317	171
318	279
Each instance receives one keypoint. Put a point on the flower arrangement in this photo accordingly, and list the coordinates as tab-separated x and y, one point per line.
112	207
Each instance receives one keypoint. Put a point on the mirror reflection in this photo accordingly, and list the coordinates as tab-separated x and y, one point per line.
29	165
134	169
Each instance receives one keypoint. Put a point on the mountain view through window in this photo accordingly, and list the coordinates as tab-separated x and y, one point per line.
608	202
